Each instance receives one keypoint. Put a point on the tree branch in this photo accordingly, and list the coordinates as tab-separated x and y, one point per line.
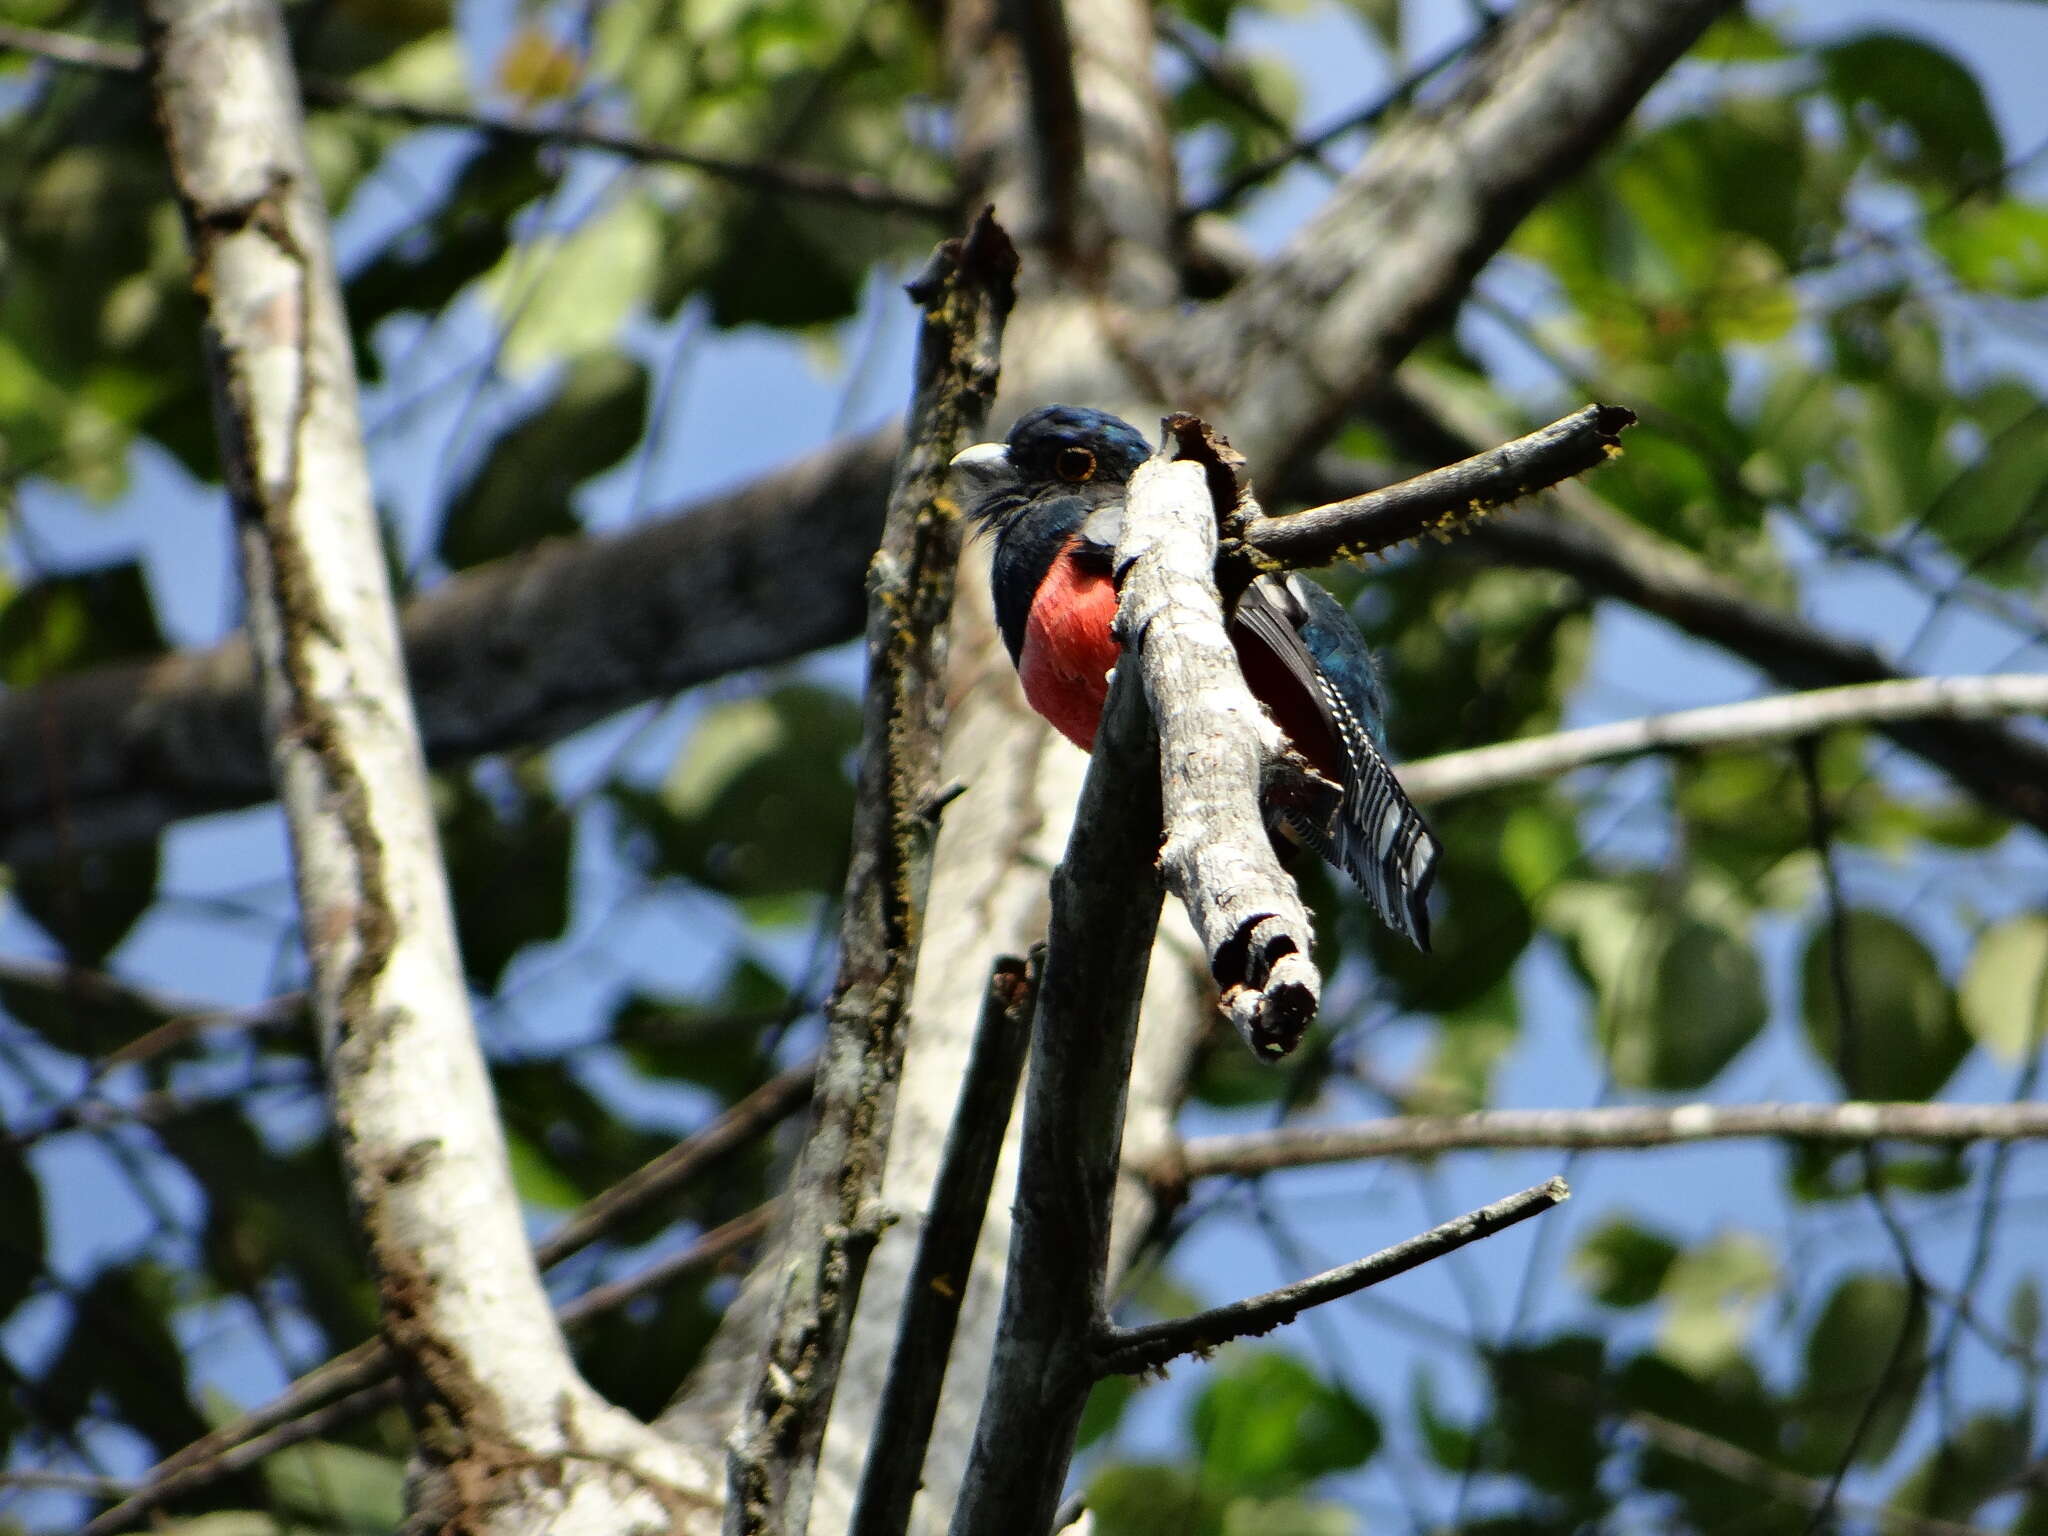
292	1420
909	1402
1614	557
1494	1130
1439	502
833	1202
1286	353
1751	723
1105	909
803	181
521	651
508	1429
1129	1351
1214	742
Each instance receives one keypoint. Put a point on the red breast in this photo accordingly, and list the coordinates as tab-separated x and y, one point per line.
1070	646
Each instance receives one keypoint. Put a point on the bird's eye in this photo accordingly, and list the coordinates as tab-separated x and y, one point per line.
1074	465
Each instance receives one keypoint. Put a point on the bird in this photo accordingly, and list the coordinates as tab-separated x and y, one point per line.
1051	495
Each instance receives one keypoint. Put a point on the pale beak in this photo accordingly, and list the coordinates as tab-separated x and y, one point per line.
985	466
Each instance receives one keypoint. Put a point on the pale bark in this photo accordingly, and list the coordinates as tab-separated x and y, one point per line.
510	1437
1215	742
1621	1126
1752	723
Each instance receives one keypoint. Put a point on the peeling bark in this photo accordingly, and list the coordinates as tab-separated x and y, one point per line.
509	1436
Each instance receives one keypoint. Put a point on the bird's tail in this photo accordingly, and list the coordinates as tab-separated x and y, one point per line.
1380	840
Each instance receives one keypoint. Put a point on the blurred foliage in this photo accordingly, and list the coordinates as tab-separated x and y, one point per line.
1809	265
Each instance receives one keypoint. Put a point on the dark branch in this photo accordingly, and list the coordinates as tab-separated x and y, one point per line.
805	181
937	1283
1105	910
1125	1351
835	1215
1443	501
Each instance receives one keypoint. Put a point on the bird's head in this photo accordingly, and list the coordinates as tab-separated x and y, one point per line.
1058	451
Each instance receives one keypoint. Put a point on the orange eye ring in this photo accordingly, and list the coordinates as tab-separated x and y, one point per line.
1076	466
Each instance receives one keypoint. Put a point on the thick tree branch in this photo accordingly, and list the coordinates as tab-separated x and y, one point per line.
1753	722
803	181
509	1432
1286	353
1495	1130
518	652
1128	1351
833	1202
1105	908
904	1414
1214	743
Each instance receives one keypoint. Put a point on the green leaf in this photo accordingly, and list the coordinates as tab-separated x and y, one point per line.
508	868
1151	1499
1999	248
1679	990
758	803
86	904
69	623
1985	1456
1852	1342
21	1254
1623	1265
1712	1294
1907	1039
1267	1426
521	492
563	296
1908	82
340	1490
2003	996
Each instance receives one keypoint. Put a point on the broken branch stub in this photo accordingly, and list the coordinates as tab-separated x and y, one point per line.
1216	746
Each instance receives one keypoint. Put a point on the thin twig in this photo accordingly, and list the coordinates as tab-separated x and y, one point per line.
362	1367
229	1452
1442	501
1130	1350
849	188
1632	1126
1311	146
937	1282
1752	722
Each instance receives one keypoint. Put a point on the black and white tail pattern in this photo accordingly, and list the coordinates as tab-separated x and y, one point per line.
1378	837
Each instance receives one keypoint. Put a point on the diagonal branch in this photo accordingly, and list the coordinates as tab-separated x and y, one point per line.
803	181
1130	1351
1286	353
833	1201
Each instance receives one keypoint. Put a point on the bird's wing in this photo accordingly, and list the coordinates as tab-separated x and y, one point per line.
1378	837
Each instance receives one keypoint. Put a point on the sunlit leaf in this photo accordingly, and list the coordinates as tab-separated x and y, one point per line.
522	490
2003	996
1712	1294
